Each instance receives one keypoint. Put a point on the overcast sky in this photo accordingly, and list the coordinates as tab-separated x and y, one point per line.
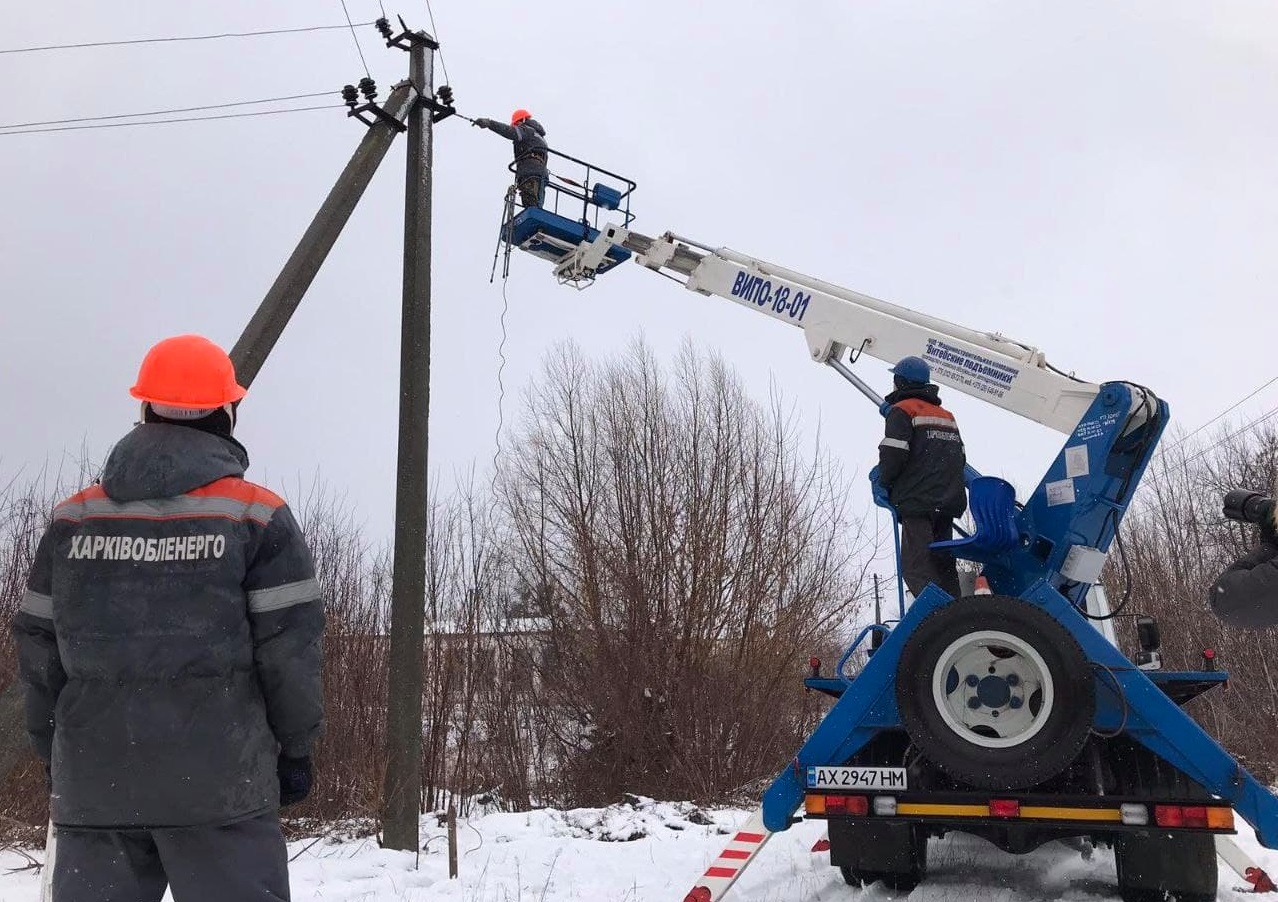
1093	178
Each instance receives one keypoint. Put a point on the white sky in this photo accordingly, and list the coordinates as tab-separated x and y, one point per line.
1094	178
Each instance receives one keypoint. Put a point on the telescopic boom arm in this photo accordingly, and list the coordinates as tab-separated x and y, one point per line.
836	320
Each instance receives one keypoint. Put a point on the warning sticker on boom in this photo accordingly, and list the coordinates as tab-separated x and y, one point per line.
1060	492
961	367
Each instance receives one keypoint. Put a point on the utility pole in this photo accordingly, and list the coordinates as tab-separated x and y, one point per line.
402	798
277	308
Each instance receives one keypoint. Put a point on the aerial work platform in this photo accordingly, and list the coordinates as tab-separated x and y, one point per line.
568	218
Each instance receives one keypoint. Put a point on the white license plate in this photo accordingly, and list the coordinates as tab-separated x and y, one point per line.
857	778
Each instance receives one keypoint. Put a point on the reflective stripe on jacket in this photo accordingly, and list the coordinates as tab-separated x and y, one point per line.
921	457
169	639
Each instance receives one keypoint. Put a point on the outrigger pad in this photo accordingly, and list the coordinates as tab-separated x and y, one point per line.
552	237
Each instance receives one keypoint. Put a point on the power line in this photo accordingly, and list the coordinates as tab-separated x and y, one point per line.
189	109
1231	407
435	31
1235	433
355	38
71	128
197	37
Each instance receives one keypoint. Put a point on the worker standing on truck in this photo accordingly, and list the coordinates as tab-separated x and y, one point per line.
531	154
921	463
169	646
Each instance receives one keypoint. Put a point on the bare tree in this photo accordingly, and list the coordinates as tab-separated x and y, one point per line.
687	555
25	509
1176	543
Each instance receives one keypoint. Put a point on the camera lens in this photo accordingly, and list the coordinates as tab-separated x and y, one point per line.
1248	506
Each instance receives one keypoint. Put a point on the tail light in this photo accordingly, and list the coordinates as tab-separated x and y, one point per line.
1220	818
855	806
1005	808
1169	816
814	804
1194	817
885	806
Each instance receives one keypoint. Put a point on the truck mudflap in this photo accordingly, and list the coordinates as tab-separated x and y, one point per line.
724	871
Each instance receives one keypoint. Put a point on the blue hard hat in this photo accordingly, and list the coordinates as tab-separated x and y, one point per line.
913	369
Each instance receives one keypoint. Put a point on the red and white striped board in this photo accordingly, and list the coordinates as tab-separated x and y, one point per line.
725	869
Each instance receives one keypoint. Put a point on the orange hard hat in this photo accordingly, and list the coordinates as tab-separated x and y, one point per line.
187	371
519	116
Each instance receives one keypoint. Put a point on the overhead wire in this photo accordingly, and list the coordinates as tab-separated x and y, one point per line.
435	31
69	128
1237	432
355	38
1218	416
171	39
188	109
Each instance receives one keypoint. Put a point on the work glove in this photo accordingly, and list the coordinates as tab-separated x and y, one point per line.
482	123
295	779
877	491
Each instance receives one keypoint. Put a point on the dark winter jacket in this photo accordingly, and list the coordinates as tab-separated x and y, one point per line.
1246	595
169	639
921	457
530	145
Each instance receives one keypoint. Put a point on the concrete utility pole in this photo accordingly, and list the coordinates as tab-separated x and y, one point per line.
402	799
277	308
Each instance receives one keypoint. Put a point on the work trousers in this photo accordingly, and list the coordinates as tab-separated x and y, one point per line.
241	862
532	188
921	565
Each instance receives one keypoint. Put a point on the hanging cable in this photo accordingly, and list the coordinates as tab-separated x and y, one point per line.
435	32
188	109
355	38
195	37
72	128
501	368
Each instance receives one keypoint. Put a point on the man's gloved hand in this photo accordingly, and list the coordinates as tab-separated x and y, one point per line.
482	123
877	491
295	779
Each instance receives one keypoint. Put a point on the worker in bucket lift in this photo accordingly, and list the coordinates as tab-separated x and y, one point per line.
531	155
921	464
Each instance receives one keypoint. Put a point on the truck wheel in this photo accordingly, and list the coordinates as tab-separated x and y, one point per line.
1154	868
995	692
895	854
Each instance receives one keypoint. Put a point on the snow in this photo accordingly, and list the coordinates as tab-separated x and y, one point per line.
654	852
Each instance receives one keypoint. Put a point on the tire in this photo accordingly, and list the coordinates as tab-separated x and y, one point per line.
995	692
1158	867
865	853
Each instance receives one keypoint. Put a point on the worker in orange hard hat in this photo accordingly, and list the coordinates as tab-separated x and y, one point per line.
189	380
531	154
172	621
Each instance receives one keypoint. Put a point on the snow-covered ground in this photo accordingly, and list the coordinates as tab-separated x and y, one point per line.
653	852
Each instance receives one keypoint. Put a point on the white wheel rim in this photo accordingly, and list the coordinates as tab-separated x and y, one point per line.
1013	695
